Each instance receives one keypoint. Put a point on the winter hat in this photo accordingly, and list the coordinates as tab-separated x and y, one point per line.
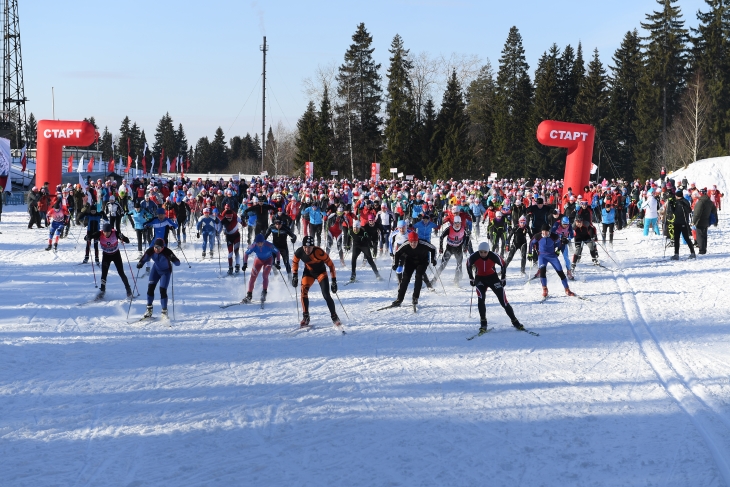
413	237
159	242
679	193
160	211
107	227
259	238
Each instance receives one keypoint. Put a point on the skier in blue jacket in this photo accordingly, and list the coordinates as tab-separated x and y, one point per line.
546	245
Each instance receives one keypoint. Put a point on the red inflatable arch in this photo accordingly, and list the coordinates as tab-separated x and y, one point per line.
52	136
578	139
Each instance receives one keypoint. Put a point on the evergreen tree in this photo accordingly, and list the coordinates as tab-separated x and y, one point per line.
592	103
256	150
359	88
306	138
181	141
125	132
165	138
481	108
203	161
236	148
324	136
546	161
623	99
452	134
662	84
514	102
711	56
91	120
247	149
106	144
571	72
140	148
31	131
400	112
428	149
219	151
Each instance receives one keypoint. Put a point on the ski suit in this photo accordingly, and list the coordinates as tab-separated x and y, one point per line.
266	255
486	277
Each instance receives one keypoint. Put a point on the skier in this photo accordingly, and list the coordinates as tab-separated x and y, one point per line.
585	234
315	216
182	213
261	212
457	239
565	231
483	262
705	212
113	212
361	243
161	226
93	225
497	231
425	227
677	222
207	227
411	258
138	217
336	229
546	244
229	219
163	259
315	262
517	240
266	255
58	215
109	240
608	217
375	230
386	220
280	231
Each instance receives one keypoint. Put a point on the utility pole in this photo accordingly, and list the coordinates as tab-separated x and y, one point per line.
263	110
13	91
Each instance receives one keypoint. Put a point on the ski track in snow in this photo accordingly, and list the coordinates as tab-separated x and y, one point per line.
629	388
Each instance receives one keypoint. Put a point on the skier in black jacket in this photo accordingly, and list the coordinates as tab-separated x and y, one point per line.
361	243
677	222
280	231
517	240
410	258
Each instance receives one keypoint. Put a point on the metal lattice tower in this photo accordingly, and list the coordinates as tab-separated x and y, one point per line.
13	91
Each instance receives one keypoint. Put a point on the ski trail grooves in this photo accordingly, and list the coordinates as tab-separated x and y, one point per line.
708	422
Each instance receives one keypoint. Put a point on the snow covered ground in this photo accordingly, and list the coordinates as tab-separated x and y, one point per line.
628	388
707	172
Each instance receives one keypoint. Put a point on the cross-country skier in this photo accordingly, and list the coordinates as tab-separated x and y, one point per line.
678	222
266	255
58	216
114	212
280	231
337	224
315	215
261	211
229	219
315	262
109	241
585	235
518	239
138	217
361	243
163	258
208	228
413	257
546	244
161	226
93	222
564	230
497	231
457	240
483	261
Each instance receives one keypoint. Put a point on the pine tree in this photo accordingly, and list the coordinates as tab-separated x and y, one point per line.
359	88
181	141
514	102
106	144
219	151
203	161
31	131
592	103
481	105
271	153
165	138
619	134
324	136
400	112
571	72
428	149
306	138
452	134
662	84
236	148
711	57
549	102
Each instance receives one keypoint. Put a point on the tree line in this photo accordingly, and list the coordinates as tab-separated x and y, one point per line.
663	101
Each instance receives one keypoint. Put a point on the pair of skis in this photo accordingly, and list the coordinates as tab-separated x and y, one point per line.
415	307
484	332
243	301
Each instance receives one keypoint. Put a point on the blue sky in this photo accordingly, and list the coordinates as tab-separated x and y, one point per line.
200	61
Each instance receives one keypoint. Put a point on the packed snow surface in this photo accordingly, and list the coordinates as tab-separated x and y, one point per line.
706	173
627	388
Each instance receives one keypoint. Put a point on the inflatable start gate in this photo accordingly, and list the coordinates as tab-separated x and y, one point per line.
53	135
578	139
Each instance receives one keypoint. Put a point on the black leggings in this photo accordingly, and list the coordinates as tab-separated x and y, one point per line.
513	251
492	282
408	271
356	251
106	261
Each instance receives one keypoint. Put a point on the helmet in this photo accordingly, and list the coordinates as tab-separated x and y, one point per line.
215	211
484	247
413	237
565	220
107	227
523	219
159	242
308	241
498	215
457	219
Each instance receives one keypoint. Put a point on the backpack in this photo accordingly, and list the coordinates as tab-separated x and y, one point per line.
713	218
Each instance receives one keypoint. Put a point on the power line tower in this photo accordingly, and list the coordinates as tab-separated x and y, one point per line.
263	110
13	91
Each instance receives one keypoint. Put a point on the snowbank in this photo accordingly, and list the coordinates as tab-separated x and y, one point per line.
707	172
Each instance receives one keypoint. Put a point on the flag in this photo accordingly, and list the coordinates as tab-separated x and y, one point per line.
129	164
128	149
23	158
81	182
144	151
81	164
111	165
70	167
144	164
187	165
136	164
162	157
90	167
174	165
594	168
152	167
168	163
8	184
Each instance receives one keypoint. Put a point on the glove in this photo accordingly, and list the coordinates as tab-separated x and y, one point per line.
391	254
564	240
347	248
399	270
530	256
197	235
433	262
294	280
245	266
504	282
441	249
276	265
395	267
557	252
86	238
140	265
294	239
333	286
472	282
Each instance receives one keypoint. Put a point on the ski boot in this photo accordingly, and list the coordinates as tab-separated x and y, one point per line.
570	275
248	298
164	314
238	268
544	291
55	246
674	257
378	277
130	294
396	303
353	278
96	261
49	247
518	325
692	256
263	295
305	321
483	326
86	260
336	322
230	271
568	292
204	255
414	303
148	313
595	261
100	295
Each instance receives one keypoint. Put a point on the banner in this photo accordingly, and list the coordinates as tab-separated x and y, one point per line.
82	183
90	167
308	169
375	171
4	157
70	167
129	164
81	164
173	167
23	157
111	165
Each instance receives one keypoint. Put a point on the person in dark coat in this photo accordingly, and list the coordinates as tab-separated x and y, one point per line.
701	217
677	223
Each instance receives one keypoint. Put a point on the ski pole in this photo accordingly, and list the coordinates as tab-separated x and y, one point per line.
92	270
131	272
286	284
439	278
186	258
220	270
130	301
172	283
296	299
471	302
390	275
609	255
343	308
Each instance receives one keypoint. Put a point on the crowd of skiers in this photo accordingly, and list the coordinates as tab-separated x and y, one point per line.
539	219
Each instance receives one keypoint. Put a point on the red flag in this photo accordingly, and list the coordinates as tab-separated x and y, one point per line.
173	167
128	149
129	163
71	163
144	165
162	158
90	167
111	165
23	157
187	165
